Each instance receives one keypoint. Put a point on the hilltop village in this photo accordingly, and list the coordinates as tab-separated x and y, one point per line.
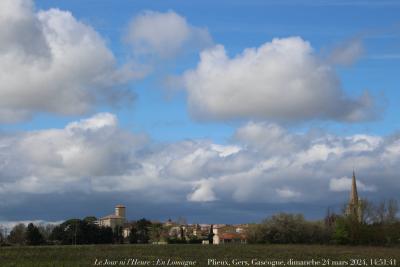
207	233
199	233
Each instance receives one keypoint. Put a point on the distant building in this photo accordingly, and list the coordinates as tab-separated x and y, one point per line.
229	234
354	207
169	223
114	220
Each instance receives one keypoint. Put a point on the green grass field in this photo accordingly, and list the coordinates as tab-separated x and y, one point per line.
197	255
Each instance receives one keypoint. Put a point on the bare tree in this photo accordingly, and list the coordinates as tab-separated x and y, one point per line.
392	209
368	212
46	230
383	212
17	234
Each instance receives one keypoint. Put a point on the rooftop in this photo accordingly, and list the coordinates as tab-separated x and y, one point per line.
112	216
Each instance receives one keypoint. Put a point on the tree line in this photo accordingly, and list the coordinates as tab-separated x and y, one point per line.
75	232
86	231
378	225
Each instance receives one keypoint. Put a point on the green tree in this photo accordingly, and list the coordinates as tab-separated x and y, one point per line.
2	236
140	232
90	219
210	236
117	235
254	234
70	232
158	233
33	235
379	225
133	237
392	233
105	235
341	234
76	231
182	233
286	228
90	231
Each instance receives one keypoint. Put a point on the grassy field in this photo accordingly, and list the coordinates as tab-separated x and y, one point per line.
198	255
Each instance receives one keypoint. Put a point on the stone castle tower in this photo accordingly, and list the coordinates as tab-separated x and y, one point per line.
355	203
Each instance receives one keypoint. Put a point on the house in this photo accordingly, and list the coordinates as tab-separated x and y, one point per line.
115	220
229	234
169	223
225	238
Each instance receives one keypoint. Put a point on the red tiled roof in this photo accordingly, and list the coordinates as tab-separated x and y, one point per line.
232	236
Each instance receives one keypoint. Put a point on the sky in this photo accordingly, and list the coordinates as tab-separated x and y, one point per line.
215	111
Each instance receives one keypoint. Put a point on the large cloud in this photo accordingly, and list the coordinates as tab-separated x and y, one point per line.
280	80
59	158
51	62
164	35
95	159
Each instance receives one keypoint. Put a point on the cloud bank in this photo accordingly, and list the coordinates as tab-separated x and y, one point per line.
280	80
95	156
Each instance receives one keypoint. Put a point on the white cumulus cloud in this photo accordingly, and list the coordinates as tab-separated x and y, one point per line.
203	192
344	184
287	193
281	80
164	35
51	62
56	160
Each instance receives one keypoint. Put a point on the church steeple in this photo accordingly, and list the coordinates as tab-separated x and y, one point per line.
354	206
354	193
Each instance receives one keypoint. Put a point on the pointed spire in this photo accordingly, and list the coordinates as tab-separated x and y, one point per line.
354	194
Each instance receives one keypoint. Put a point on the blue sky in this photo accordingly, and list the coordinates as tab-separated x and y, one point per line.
188	138
238	25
